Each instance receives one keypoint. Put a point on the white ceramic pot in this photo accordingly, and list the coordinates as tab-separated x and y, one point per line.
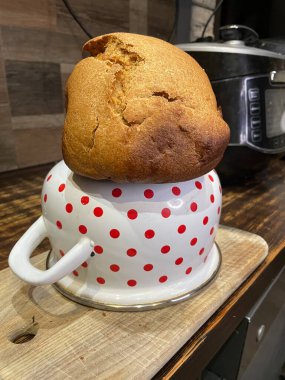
124	246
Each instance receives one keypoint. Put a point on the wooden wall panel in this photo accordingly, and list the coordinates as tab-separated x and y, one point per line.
199	18
207	4
37	146
3	86
39	45
7	146
161	14
138	16
28	13
34	87
99	17
38	121
65	69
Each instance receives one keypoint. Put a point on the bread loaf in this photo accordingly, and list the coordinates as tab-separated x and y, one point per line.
141	110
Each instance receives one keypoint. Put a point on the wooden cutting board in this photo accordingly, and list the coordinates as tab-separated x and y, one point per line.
71	341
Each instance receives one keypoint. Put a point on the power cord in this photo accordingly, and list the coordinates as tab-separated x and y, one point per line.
210	18
173	29
76	19
70	10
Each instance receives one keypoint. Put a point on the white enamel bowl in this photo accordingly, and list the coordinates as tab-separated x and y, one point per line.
124	246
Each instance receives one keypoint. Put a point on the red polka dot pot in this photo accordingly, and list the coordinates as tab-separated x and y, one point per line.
124	246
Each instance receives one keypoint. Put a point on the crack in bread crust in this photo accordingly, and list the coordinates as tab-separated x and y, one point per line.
113	51
92	143
165	95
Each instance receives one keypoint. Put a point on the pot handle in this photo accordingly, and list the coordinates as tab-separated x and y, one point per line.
19	257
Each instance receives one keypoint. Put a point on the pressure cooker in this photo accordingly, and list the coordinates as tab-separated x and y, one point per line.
249	83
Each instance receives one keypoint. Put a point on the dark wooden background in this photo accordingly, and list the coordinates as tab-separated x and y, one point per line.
39	45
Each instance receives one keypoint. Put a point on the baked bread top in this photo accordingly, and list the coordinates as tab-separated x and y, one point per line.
141	110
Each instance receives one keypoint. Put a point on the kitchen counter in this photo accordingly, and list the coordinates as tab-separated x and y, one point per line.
257	205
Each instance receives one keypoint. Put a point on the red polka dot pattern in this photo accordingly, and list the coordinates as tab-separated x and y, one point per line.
179	261
181	229
98	212
201	251
61	187
165	212
205	220
114	268
198	184
132	214
82	229
188	270
131	252
85	200
149	234
165	249
114	233
69	208
148	193
191	202
98	249
132	283
176	191
211	178
116	192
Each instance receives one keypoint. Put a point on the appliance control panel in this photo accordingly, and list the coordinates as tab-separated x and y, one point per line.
265	114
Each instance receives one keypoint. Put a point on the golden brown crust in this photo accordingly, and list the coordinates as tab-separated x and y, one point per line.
141	110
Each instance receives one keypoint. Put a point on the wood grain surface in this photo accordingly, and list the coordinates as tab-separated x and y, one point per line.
160	18
43	143
20	206
7	148
43	78
72	341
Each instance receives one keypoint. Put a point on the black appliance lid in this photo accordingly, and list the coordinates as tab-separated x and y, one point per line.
229	47
232	57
